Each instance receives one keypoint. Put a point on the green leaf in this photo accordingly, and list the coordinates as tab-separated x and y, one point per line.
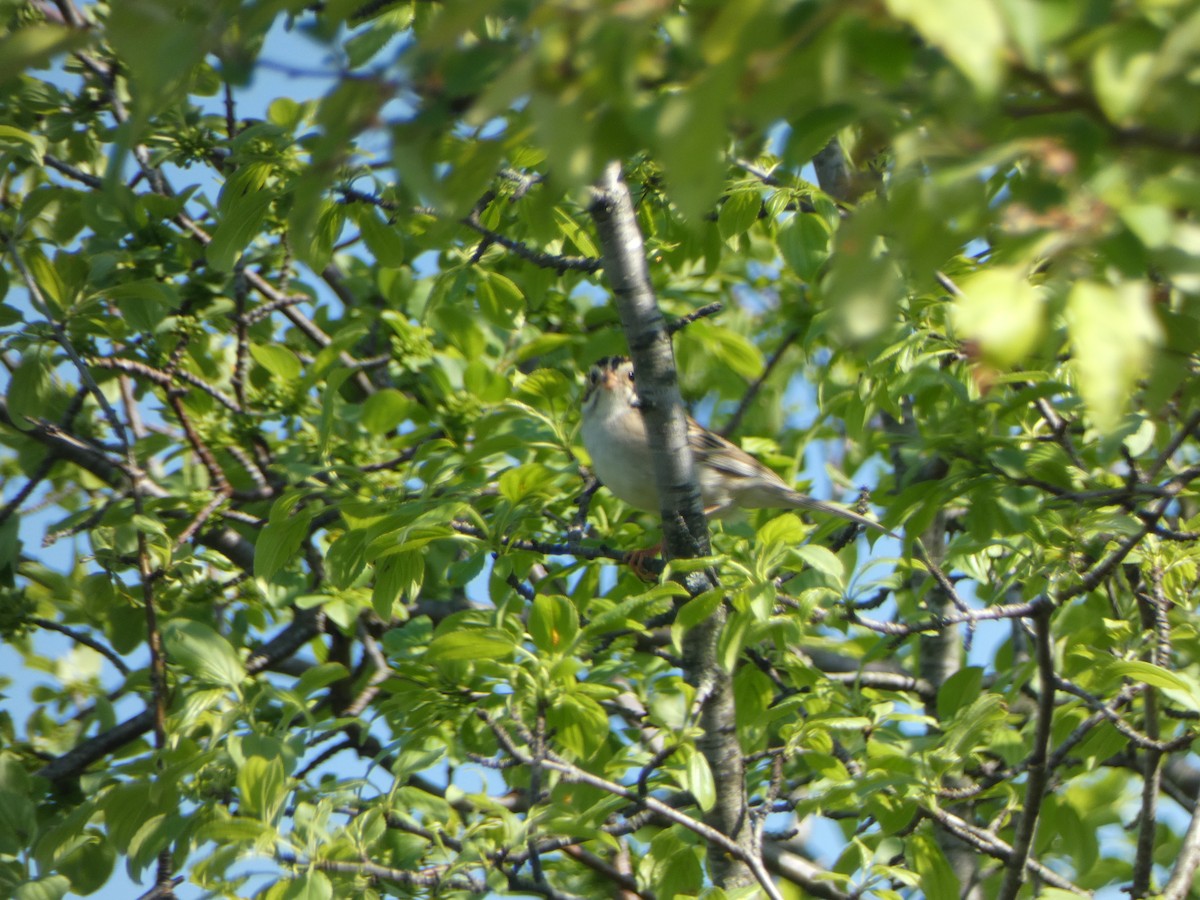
383	239
156	834
500	300
733	638
733	349
1184	689
630	611
198	650
785	529
470	644
317	677
553	623
579	723
49	279
893	813
30	388
18	822
384	410
472	169
144	302
33	46
525	481
812	131
959	690
697	609
485	382
346	558
230	830
34	145
279	361
823	560
1000	312
398	577
158	49
1035	24
240	223
690	135
675	865
970	32
87	861
365	44
572	231
278	543
863	285
543	387
1123	70
330	402
262	788
12	776
698	778
968	732
53	887
309	886
738	213
804	243
928	861
1113	337
126	808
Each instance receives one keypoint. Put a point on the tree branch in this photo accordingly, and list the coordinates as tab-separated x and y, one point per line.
1035	785
1180	884
303	628
575	774
685	528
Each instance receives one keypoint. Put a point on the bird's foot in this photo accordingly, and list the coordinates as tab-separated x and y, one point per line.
639	561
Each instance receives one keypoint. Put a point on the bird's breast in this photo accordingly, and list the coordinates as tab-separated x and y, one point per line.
621	458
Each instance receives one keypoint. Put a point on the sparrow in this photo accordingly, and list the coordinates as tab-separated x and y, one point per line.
730	478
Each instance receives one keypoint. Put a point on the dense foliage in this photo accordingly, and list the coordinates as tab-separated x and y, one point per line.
290	460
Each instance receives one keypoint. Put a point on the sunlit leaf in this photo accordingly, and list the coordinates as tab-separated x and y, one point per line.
1113	335
202	653
475	643
1001	313
34	45
972	35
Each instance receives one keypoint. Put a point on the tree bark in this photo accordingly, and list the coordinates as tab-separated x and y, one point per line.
685	528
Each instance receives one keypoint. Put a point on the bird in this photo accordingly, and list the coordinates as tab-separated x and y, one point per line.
730	478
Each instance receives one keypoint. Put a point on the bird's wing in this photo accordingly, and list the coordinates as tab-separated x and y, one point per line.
726	457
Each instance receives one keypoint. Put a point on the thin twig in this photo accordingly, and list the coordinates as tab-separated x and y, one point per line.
80	638
39	474
290	640
1035	784
752	391
574	774
1104	567
550	548
201	449
164	379
936	623
988	843
1187	860
1175	443
708	309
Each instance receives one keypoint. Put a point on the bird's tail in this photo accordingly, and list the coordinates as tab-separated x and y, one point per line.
800	501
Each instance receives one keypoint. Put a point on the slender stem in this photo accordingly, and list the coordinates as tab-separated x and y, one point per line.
1035	785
